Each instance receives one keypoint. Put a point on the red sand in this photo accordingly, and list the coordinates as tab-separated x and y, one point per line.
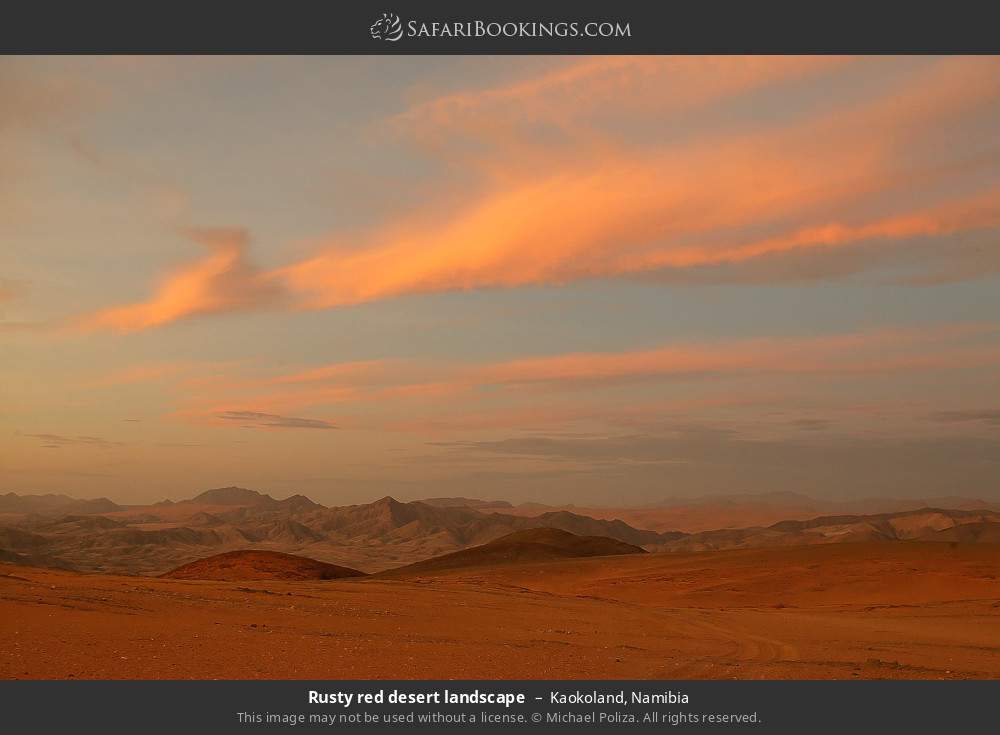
902	610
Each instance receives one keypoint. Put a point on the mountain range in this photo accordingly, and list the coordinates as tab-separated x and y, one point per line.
102	536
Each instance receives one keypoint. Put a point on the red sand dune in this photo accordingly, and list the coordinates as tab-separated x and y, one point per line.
530	545
250	564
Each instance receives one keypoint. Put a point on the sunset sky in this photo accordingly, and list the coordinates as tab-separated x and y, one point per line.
591	280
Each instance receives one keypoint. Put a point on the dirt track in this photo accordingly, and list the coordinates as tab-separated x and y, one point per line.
839	611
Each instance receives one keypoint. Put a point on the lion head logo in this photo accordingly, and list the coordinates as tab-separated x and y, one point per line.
387	28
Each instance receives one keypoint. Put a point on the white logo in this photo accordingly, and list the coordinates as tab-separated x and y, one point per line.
387	28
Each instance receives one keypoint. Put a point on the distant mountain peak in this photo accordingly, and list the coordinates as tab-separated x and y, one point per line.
388	502
300	501
54	504
241	496
231	495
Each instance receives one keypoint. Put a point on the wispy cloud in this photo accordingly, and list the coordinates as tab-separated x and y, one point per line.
989	416
637	85
259	420
812	424
821	181
54	441
500	394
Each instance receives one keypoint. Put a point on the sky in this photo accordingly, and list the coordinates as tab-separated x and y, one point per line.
594	280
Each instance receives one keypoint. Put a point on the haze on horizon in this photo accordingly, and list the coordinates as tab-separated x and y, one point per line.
594	280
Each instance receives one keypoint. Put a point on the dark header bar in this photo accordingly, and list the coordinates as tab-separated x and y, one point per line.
452	27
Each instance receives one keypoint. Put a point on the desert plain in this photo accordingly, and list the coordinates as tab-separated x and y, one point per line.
854	610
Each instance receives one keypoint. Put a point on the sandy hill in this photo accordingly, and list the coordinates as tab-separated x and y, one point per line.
530	545
234	566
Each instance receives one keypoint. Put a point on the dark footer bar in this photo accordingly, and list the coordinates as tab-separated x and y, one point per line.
220	707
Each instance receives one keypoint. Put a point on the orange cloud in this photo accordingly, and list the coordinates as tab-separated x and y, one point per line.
611	212
362	371
221	281
604	218
981	212
874	351
810	183
885	351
